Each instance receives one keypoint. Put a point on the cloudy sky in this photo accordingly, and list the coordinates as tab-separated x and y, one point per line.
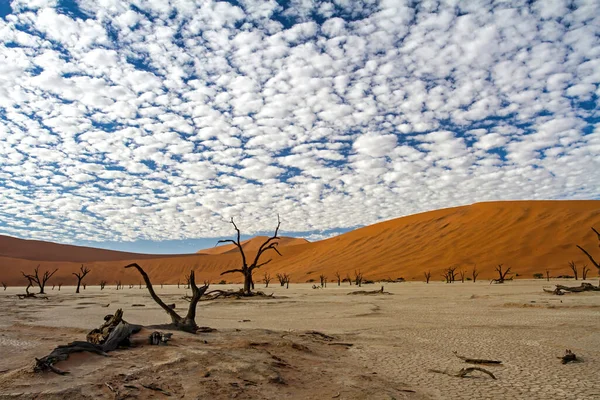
149	121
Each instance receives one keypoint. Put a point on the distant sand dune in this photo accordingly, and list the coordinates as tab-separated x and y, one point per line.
528	236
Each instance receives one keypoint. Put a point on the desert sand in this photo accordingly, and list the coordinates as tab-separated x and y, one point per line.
528	236
262	348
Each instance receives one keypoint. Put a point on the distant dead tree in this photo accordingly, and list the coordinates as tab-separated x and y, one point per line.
358	278
83	271
594	262
267	279
462	275
584	272
323	280
349	279
501	275
118	284
59	286
4	286
84	286
247	270
282	278
102	284
573	267
450	274
53	286
338	277
286	277
187	323
427	276
474	273
547	275
39	280
178	284
140	285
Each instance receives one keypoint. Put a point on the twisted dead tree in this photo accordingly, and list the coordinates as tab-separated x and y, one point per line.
247	270
573	267
594	262
474	273
450	274
462	275
83	271
187	323
358	278
427	276
501	275
39	280
338	277
267	279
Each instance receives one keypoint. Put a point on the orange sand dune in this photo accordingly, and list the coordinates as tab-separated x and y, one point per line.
528	236
46	251
252	244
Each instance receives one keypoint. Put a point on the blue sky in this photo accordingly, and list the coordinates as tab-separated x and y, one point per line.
145	125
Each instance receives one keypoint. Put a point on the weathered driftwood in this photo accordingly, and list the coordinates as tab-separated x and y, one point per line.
115	332
369	292
187	323
559	290
159	338
464	372
476	360
568	357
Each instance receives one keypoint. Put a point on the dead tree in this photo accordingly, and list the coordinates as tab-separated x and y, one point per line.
427	276
450	274
358	278
267	279
140	285
118	284
247	270
323	280
547	275
584	272
59	286
573	267
338	277
187	323
102	284
84	286
39	280
83	271
4	286
501	275
462	275
474	273
349	279
286	277
594	262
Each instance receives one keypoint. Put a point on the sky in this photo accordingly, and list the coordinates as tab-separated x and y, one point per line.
145	125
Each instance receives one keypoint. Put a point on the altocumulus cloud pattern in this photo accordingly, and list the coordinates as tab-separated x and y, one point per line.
156	119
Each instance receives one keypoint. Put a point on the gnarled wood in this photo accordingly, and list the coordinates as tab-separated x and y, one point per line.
187	323
476	360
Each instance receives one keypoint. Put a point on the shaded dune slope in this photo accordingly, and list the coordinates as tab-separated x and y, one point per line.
528	236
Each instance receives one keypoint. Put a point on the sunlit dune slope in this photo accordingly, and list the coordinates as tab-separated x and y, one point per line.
46	251
528	236
252	244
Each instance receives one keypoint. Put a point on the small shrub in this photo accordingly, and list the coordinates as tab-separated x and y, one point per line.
223	282
310	280
469	279
538	275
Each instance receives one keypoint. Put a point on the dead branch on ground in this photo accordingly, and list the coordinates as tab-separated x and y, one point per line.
464	372
476	360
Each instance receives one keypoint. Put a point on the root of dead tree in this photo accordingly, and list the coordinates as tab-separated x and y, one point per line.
464	372
115	332
559	290
476	360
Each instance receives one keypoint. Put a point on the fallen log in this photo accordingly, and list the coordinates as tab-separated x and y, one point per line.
476	360
559	290
115	332
464	372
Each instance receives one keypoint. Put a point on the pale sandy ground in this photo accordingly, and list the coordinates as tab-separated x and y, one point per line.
397	338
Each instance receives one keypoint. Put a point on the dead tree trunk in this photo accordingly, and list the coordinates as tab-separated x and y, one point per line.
187	323
547	275
349	279
462	276
474	273
287	281
247	270
594	262
501	275
427	276
584	272
573	267
102	284
358	278
40	280
83	271
59	286
267	279
323	279
4	286
339	278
